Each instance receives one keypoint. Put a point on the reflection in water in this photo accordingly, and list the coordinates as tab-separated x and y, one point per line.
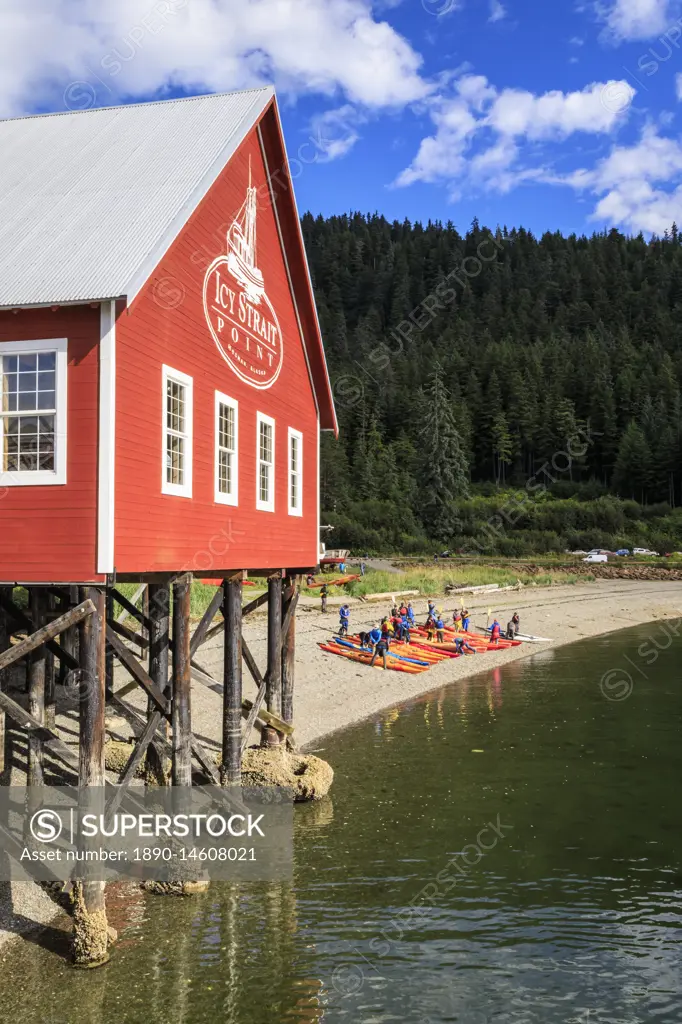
505	850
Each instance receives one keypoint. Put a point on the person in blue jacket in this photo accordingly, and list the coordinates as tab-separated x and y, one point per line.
344	620
465	620
405	624
462	647
381	644
410	613
375	634
440	626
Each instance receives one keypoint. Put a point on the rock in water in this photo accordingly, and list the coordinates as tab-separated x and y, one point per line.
308	776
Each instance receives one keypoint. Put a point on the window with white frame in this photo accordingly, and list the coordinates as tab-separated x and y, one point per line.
177	433
265	478
226	449
295	472
33	381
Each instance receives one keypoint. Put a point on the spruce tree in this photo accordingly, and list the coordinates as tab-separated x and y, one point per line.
444	468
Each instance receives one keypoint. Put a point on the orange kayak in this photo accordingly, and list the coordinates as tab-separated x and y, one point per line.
365	658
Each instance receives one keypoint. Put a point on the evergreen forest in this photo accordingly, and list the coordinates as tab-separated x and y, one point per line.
498	392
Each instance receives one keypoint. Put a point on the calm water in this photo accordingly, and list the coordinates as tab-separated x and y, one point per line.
532	822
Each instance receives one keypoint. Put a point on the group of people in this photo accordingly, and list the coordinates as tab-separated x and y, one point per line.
513	627
401	621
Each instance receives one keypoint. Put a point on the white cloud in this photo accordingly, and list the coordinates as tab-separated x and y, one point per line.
335	132
131	48
497	11
596	108
476	90
503	121
638	19
678	86
629	184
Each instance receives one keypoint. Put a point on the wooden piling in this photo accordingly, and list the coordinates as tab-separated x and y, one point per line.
109	654
90	934
5	632
159	623
288	648
50	673
69	638
36	688
231	768
181	710
273	678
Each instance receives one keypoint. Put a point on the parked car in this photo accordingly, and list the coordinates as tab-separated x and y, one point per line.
578	552
645	551
595	557
623	551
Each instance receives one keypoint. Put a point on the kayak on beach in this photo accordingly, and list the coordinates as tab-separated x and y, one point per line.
366	657
524	638
389	654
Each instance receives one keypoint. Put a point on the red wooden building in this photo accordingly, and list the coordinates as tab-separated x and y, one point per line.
163	377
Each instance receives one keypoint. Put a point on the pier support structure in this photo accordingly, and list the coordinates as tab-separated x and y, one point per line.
90	929
72	633
231	768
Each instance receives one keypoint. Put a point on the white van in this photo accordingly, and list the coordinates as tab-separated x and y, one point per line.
596	558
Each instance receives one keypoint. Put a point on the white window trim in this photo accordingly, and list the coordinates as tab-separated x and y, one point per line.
220	498
265	506
42	477
106	490
184	490
295	510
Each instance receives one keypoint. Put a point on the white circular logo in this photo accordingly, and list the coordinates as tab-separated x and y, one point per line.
238	312
244	326
46	826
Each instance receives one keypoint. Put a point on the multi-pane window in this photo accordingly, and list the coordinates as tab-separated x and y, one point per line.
265	494
295	472
227	448
33	412
177	472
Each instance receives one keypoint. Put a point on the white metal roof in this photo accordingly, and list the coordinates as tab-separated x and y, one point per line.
90	201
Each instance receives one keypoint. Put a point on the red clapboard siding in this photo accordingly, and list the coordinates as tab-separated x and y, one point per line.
166	325
49	533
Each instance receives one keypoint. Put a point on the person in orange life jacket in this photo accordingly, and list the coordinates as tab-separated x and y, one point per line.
385	628
457	620
462	647
402	611
440	626
465	620
344	619
495	630
430	628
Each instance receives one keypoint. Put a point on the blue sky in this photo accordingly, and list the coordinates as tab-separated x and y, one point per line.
552	114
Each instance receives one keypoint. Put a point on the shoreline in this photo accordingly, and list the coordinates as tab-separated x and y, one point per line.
333	693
